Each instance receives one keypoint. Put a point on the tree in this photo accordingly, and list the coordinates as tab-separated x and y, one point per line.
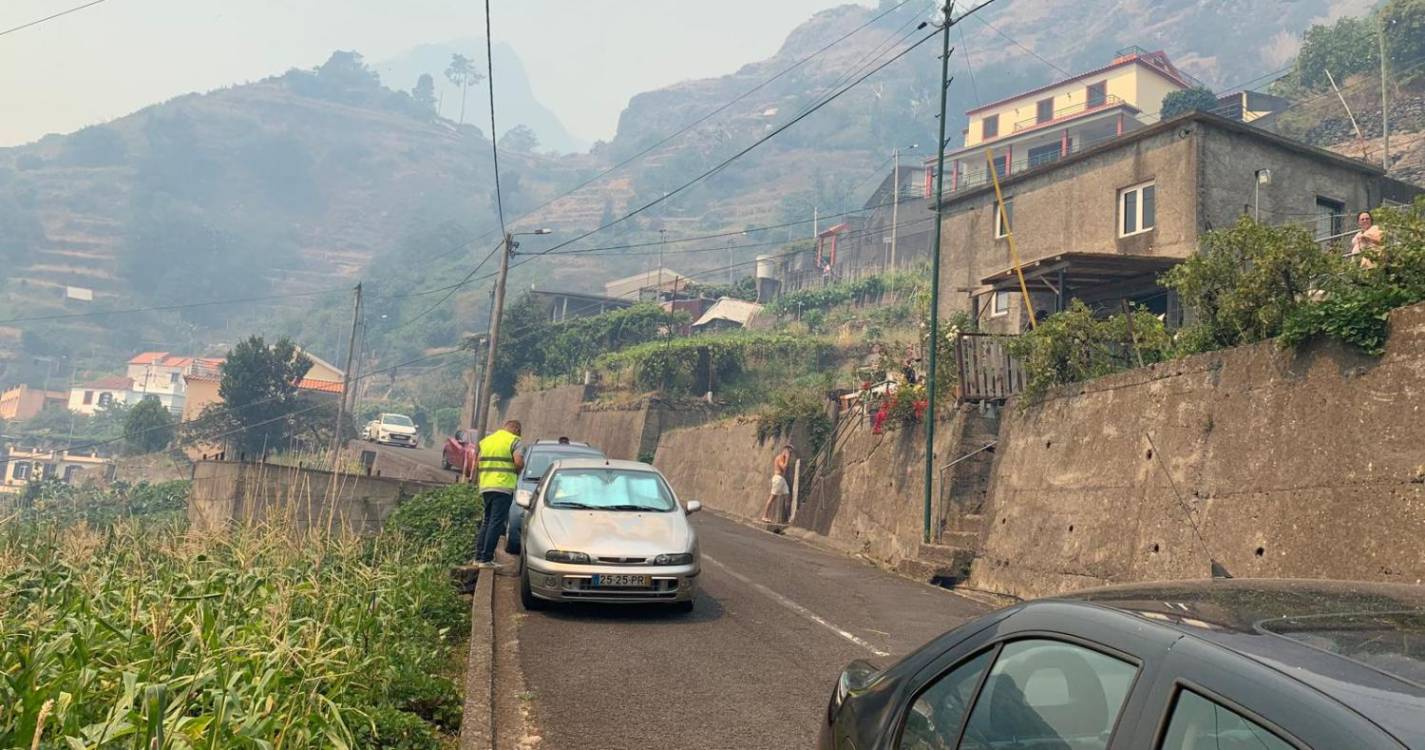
1404	24
148	428
520	139
424	92
461	72
259	392
1347	47
1196	99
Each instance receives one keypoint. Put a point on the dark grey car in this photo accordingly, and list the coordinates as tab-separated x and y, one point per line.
1212	665
537	458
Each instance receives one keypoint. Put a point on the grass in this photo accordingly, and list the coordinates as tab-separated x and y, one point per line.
141	634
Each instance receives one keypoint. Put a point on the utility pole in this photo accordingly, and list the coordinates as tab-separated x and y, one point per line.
345	381
895	202
935	274
482	405
1384	101
662	243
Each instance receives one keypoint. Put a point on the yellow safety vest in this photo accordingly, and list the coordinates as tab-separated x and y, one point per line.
497	461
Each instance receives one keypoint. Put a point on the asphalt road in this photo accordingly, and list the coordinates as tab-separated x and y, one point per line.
752	667
423	463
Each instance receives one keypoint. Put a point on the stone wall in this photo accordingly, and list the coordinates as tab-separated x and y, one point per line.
721	465
1269	462
226	493
625	430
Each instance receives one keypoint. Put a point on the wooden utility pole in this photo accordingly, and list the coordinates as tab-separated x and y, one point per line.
346	381
482	395
1384	101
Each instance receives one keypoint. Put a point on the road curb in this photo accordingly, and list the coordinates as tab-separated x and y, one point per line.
477	722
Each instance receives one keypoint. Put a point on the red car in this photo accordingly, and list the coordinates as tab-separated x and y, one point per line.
460	454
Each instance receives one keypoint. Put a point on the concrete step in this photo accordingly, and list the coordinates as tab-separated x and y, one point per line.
972	523
951	556
956	538
938	574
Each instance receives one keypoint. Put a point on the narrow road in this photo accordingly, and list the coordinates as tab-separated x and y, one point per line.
753	665
423	463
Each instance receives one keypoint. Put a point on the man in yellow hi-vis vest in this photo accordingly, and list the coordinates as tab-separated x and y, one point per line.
500	462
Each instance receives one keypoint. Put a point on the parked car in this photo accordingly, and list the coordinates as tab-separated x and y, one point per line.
459	453
392	429
1213	665
538	456
607	531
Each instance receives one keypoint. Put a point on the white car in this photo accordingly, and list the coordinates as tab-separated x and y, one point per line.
391	429
599	530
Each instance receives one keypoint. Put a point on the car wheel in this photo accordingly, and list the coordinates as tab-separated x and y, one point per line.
530	602
683	608
444	464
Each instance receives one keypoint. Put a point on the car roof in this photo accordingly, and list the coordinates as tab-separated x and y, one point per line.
1339	637
547	443
604	463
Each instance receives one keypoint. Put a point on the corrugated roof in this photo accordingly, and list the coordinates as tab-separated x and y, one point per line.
111	383
734	310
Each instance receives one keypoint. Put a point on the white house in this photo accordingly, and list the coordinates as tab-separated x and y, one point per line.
159	375
100	394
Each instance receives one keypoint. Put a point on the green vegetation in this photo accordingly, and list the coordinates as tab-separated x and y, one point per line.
1352	45
444	521
120	630
262	407
148	427
824	298
1077	345
792	407
1188	100
693	364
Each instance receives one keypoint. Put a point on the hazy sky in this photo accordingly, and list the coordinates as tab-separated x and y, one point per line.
585	57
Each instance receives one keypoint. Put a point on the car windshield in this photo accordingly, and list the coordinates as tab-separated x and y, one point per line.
399	420
1392	642
537	461
608	489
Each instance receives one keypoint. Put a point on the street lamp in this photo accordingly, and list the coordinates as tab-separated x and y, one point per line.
1264	177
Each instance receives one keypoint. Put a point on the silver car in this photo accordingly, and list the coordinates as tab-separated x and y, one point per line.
600	530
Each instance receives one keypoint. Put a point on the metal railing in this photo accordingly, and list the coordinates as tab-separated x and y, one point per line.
1072	109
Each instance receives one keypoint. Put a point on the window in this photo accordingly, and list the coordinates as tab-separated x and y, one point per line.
70	472
48	472
1200	724
1004	222
1001	304
989	127
1330	218
608	489
172	378
21	471
1137	209
1049	694
1097	95
1044	110
934	719
88	397
105	399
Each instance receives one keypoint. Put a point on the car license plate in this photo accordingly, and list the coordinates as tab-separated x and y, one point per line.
620	581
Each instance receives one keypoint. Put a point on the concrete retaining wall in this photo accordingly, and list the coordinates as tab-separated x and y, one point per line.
721	465
227	493
624	430
1272	463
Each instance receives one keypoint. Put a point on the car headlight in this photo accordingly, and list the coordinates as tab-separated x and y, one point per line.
564	556
680	558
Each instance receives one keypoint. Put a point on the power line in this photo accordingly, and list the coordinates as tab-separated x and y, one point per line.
494	149
39	21
723	164
1013	41
452	290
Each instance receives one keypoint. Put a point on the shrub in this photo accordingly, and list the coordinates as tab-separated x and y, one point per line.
1356	308
682	363
1076	345
393	729
445	521
795	406
1244	282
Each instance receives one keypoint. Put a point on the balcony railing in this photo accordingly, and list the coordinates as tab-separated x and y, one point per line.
1069	111
976	177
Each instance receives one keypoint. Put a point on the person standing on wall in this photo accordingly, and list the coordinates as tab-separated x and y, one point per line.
500	464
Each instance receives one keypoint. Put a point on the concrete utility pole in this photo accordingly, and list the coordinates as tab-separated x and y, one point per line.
346	381
895	202
482	404
1384	102
935	274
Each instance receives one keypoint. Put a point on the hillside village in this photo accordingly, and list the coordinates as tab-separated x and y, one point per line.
1150	323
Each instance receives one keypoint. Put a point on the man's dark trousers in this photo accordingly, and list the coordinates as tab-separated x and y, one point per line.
497	517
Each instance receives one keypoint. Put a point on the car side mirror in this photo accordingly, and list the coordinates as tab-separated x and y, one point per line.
694	506
524	498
